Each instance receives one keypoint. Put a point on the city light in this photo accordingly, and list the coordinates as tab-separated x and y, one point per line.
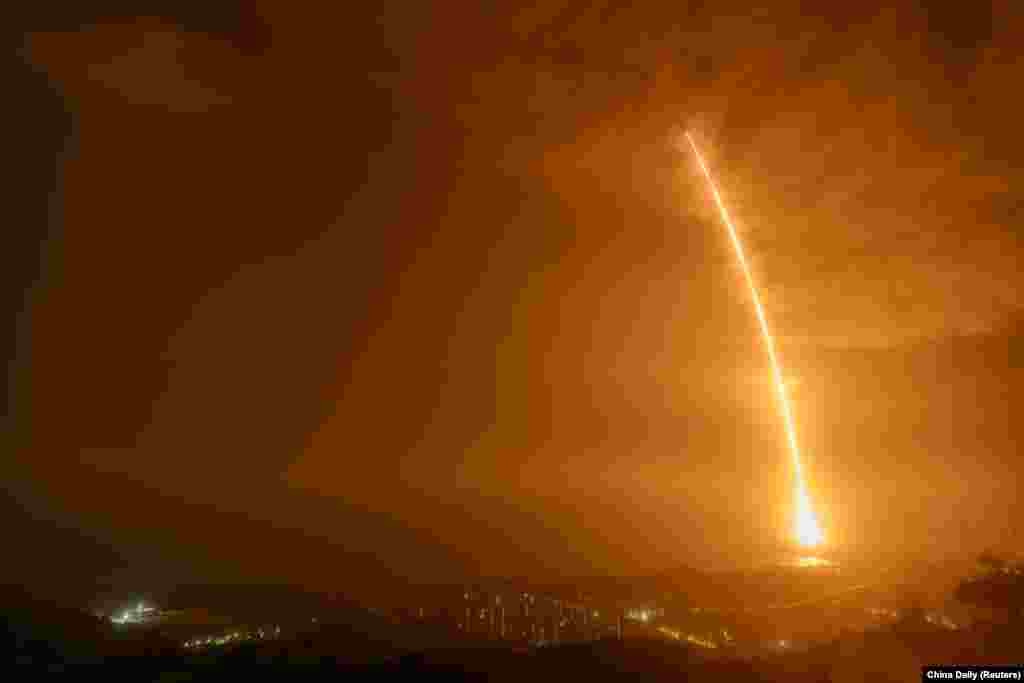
691	638
639	615
136	615
228	638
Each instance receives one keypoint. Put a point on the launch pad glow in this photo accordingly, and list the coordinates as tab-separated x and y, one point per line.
806	530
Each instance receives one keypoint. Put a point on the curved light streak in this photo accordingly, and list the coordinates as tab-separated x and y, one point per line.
806	529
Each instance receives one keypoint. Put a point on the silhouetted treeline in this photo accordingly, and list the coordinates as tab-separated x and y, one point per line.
999	587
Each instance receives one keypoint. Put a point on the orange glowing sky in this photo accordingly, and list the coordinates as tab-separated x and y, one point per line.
413	285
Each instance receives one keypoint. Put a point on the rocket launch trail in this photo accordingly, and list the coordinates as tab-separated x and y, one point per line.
806	530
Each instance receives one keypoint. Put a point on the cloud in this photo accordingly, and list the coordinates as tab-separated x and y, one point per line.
869	219
141	63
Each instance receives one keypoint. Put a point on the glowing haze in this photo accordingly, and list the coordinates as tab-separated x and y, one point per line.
806	530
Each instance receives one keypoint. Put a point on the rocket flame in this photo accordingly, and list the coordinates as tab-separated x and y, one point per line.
806	530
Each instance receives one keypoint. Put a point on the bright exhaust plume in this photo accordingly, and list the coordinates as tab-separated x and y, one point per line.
806	530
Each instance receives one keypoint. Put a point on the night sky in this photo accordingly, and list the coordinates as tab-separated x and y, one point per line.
329	295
